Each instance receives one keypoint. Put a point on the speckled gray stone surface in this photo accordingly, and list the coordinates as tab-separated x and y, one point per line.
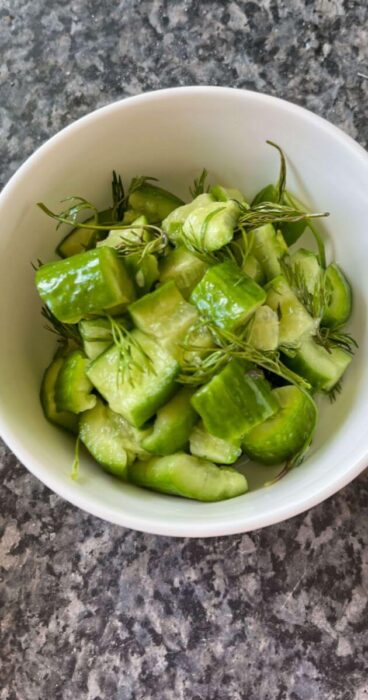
91	611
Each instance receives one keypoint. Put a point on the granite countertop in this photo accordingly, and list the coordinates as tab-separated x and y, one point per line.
92	611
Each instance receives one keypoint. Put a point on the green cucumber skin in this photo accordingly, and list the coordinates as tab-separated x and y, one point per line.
268	248
73	388
294	320
64	419
233	402
184	268
322	368
282	435
87	283
214	449
290	231
180	474
173	425
173	223
81	239
154	202
226	296
339	308
137	395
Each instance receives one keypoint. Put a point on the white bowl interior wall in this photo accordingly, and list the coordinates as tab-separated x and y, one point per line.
172	135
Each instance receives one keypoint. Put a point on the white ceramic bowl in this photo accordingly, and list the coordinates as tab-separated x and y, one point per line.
173	134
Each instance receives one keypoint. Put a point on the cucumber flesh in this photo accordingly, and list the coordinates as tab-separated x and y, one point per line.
268	248
226	296
339	308
184	268
234	401
294	319
146	383
187	476
82	239
322	368
173	425
207	446
264	329
285	433
73	388
253	268
165	315
97	335
110	439
212	226
306	267
173	223
64	419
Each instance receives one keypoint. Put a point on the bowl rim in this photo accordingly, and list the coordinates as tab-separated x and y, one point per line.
182	528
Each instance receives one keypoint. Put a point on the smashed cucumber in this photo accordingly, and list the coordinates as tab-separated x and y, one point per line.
173	223
321	367
173	425
268	248
184	268
181	474
207	446
81	239
294	319
282	435
64	419
73	388
153	202
339	306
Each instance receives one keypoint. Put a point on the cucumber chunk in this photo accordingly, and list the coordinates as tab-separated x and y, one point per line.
65	419
264	329
223	194
166	315
87	283
322	368
282	435
173	223
154	202
184	268
226	296
82	239
294	320
253	268
137	382
234	401
269	248
73	388
207	446
307	269
173	425
110	439
211	226
183	475
339	307
96	334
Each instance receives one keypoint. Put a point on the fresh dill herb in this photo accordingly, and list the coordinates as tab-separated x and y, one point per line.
66	332
131	354
281	183
199	185
118	197
331	338
314	296
335	391
272	213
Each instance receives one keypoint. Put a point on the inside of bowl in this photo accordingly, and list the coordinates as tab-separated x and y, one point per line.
172	135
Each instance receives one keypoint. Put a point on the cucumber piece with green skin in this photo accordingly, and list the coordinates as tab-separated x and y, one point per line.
154	202
290	231
264	329
110	439
294	319
165	315
173	223
253	268
207	446
322	368
84	284
64	419
234	401
227	296
73	388
340	303
268	248
211	226
139	388
118	236
223	194
183	475
82	239
96	334
306	268
184	268
284	434
197	341
173	425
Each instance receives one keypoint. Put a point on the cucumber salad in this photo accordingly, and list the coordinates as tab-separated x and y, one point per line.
192	335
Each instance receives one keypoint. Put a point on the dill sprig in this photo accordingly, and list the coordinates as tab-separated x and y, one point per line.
118	197
231	346
199	185
131	354
137	243
273	213
281	182
314	297
331	338
65	332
